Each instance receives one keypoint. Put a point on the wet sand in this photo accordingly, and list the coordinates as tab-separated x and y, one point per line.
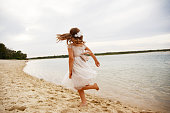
20	92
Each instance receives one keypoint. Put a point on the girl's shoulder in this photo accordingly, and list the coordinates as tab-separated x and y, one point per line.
69	45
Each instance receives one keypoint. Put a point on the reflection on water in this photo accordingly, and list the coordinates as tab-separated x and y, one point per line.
139	79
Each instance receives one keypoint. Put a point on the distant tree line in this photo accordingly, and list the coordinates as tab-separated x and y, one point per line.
131	52
106	53
6	53
47	57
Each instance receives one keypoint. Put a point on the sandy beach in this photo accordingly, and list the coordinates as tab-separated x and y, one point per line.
20	92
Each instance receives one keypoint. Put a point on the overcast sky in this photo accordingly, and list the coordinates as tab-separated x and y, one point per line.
107	25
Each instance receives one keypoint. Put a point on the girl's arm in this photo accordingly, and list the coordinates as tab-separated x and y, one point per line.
71	60
93	56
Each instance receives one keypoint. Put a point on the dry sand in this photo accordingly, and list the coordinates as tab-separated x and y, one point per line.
20	92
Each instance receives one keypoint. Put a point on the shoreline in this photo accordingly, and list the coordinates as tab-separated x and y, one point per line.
21	92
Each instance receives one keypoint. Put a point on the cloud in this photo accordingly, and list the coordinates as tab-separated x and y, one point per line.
139	43
158	39
36	23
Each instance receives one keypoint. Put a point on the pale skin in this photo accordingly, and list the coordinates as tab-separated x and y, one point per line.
71	61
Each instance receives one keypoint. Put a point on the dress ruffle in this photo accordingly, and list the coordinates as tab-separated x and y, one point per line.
82	73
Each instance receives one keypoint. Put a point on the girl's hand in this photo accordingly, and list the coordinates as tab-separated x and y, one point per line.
97	63
88	52
70	75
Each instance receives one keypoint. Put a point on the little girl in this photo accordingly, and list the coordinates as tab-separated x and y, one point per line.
80	73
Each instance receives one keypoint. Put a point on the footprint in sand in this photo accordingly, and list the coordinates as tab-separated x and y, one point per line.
39	101
73	99
63	96
21	108
33	89
117	102
73	106
6	98
53	98
50	92
13	102
76	98
104	107
108	104
94	101
119	111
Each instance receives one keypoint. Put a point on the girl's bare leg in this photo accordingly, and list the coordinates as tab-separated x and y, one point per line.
94	86
82	95
83	98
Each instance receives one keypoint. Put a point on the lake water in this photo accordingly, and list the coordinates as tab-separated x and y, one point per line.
141	80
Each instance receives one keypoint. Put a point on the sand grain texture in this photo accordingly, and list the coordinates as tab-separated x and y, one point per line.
20	92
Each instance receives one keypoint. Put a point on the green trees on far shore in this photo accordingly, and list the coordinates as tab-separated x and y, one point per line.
6	53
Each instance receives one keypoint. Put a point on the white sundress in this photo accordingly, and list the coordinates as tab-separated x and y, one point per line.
82	73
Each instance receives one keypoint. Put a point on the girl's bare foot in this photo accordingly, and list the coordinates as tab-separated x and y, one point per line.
83	104
96	86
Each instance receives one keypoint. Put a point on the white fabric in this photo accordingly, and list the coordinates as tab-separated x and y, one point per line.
82	73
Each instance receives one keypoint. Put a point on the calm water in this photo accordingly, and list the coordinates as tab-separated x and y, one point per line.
141	80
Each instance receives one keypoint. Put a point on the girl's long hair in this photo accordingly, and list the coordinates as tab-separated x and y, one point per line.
70	37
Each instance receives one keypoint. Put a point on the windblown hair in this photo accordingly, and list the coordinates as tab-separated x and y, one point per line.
70	37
